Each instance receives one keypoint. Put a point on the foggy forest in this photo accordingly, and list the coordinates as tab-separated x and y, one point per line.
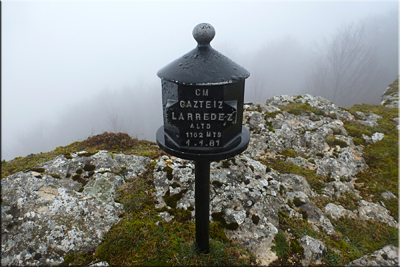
354	65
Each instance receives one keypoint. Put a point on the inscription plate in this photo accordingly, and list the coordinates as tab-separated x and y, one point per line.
201	116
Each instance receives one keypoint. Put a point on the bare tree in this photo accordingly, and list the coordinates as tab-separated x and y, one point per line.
115	122
349	69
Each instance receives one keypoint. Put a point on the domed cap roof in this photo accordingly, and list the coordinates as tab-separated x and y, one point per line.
203	65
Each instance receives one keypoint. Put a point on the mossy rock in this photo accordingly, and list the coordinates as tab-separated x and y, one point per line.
218	217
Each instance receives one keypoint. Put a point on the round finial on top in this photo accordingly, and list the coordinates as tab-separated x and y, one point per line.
203	33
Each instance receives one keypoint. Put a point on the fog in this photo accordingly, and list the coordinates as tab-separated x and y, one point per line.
75	69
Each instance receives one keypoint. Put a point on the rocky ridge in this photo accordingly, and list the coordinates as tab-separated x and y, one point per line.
66	205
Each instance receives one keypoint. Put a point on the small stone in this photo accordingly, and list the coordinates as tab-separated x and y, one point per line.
377	137
388	195
314	251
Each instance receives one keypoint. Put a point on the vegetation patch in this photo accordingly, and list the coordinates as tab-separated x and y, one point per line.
169	171
55	175
68	155
354	238
300	108
381	157
139	147
289	153
172	200
147	241
271	115
316	182
218	217
318	112
39	170
89	167
332	141
347	200
79	259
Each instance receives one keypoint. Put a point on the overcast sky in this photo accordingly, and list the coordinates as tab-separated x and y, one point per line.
56	54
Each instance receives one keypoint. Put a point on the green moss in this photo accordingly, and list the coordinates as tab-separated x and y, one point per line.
297	108
364	236
270	127
330	179
89	167
87	154
332	141
381	157
169	171
333	115
181	215
175	185
123	168
172	200
55	175
145	240
297	202
318	112
311	161
218	217
358	141
271	114
39	170
218	233
79	171
316	182
152	164
80	259
289	153
79	179
68	156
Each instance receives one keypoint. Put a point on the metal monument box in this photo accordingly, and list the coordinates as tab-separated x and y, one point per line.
202	98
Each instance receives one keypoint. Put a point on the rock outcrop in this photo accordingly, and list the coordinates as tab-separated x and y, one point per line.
67	204
390	97
64	206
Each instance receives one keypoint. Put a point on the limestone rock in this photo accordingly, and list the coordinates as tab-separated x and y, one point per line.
390	98
314	251
337	211
40	225
315	216
69	204
388	195
66	209
387	256
372	211
377	137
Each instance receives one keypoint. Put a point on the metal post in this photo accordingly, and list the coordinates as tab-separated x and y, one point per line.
202	203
